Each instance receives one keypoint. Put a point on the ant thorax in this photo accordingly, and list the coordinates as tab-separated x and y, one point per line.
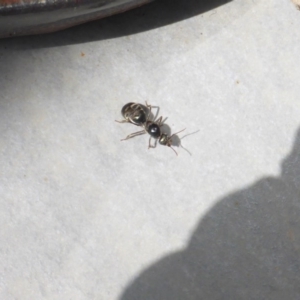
153	129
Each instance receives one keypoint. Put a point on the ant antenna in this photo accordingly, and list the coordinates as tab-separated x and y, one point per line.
177	132
189	134
185	137
173	150
169	144
185	149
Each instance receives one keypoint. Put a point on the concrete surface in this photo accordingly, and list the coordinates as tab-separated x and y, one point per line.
85	216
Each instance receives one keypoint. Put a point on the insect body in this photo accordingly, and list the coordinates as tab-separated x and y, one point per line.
134	113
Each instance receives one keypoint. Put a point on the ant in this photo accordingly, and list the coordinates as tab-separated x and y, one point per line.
135	114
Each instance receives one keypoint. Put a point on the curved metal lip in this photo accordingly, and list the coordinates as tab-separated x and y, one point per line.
14	7
27	17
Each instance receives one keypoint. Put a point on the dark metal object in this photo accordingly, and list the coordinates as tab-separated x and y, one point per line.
26	17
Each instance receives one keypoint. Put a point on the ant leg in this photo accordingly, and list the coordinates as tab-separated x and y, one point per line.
152	146
159	121
149	113
149	146
123	121
157	112
134	134
174	150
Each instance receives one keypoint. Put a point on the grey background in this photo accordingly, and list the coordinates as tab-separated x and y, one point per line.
85	216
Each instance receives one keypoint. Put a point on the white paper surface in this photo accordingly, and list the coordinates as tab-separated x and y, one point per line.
85	216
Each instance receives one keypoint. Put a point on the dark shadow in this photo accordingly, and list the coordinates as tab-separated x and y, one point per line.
156	14
165	128
246	247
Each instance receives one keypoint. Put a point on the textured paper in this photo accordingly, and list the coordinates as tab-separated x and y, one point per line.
86	216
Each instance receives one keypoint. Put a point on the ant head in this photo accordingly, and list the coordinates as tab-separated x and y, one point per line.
166	140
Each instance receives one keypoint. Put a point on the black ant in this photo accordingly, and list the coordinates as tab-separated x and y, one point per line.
135	114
